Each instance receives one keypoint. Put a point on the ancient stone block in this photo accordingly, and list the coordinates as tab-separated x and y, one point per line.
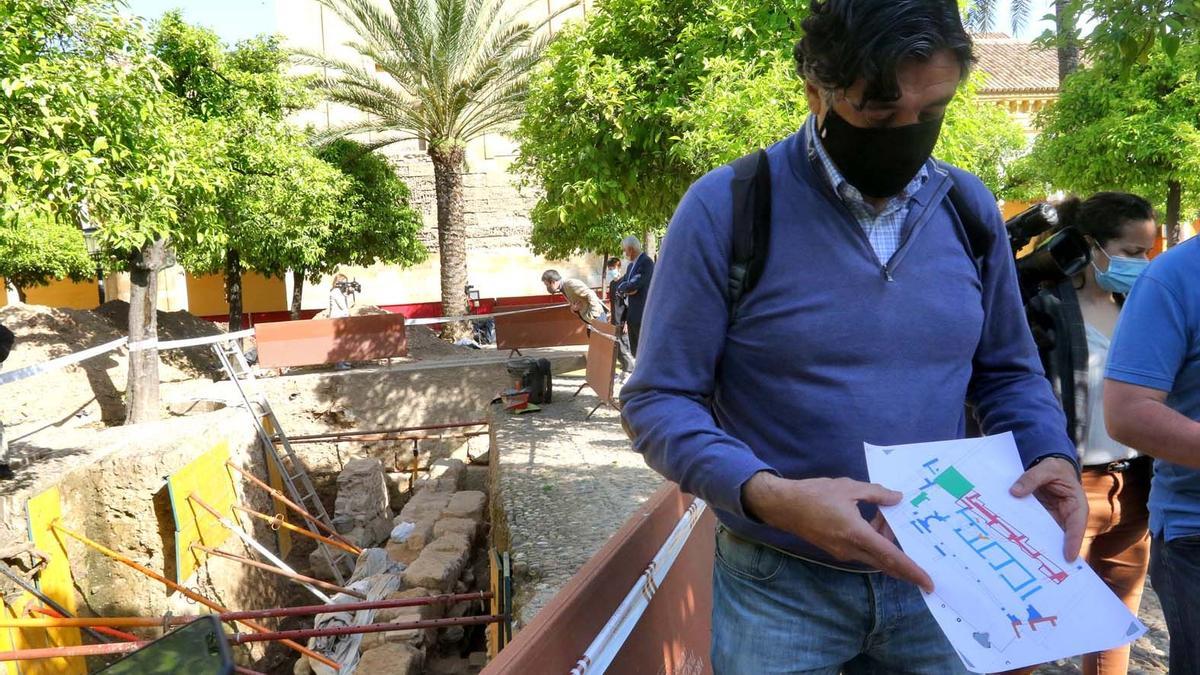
468	504
425	504
361	510
439	564
463	526
391	658
401	553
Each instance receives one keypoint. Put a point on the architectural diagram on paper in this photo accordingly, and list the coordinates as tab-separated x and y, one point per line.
1005	595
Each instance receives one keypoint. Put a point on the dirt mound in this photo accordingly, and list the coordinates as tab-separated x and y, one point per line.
423	343
173	326
91	392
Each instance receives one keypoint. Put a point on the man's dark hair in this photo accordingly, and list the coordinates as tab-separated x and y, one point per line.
551	275
845	40
1104	215
612	262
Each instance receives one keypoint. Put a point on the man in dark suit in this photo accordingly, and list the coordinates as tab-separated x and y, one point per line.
634	287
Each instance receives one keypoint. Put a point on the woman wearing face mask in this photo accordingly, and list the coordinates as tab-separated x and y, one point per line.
1121	230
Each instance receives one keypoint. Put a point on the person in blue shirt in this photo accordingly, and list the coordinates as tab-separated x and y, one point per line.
871	322
633	287
1152	404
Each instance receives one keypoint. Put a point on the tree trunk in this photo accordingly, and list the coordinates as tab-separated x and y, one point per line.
21	295
297	293
233	288
1174	199
650	243
1068	46
141	396
452	235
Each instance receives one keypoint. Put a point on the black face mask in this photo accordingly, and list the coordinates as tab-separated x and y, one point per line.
879	161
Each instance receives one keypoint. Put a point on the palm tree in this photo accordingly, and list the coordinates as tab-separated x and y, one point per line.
445	73
982	17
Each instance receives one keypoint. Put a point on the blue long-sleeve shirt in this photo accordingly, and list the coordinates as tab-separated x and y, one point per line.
831	349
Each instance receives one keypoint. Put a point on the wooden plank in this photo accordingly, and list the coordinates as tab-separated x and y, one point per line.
320	341
209	478
676	627
602	360
556	327
56	582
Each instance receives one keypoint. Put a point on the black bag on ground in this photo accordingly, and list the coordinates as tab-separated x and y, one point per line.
534	375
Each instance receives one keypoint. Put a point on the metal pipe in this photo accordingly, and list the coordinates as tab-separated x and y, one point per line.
386	437
292	505
278	521
65	652
89	650
184	591
281	572
277	612
47	600
244	638
127	637
395	430
262	550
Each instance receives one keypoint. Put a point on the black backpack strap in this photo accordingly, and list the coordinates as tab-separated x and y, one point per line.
979	238
751	188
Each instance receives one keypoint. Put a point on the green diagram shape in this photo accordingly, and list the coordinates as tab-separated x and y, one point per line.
954	482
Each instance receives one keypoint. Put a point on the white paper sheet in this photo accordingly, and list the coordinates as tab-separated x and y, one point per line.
1005	596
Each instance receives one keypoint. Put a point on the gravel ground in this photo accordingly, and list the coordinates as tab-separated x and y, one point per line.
567	485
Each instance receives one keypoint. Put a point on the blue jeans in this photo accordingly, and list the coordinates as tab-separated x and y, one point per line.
1174	569
773	613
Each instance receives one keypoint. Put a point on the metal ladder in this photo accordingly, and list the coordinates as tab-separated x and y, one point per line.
296	482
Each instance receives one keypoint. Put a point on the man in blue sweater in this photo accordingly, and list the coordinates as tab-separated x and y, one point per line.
871	322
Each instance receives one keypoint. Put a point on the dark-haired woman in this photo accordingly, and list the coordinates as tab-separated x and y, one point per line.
1082	312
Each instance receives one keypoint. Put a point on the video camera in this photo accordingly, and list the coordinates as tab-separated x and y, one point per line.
349	287
1060	257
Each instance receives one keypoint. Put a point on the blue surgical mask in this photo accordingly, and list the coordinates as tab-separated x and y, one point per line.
1121	274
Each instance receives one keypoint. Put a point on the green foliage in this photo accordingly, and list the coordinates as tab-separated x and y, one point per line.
1129	31
615	129
647	95
376	223
268	196
83	116
980	137
35	248
1134	133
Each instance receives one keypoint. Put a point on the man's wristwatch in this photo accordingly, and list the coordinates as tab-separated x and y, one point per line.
1059	455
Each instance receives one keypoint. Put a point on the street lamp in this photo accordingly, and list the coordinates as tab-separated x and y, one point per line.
91	240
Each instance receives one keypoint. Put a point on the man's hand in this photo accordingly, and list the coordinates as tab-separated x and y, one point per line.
1056	485
824	512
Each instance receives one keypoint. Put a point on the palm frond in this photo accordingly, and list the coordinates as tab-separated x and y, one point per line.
981	16
1020	11
453	70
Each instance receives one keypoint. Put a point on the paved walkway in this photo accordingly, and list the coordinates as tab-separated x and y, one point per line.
566	485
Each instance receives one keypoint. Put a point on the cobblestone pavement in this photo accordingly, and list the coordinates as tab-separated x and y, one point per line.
567	484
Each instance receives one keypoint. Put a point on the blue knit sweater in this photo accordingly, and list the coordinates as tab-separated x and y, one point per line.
831	349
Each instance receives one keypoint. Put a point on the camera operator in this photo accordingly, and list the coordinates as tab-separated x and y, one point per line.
342	297
1078	315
